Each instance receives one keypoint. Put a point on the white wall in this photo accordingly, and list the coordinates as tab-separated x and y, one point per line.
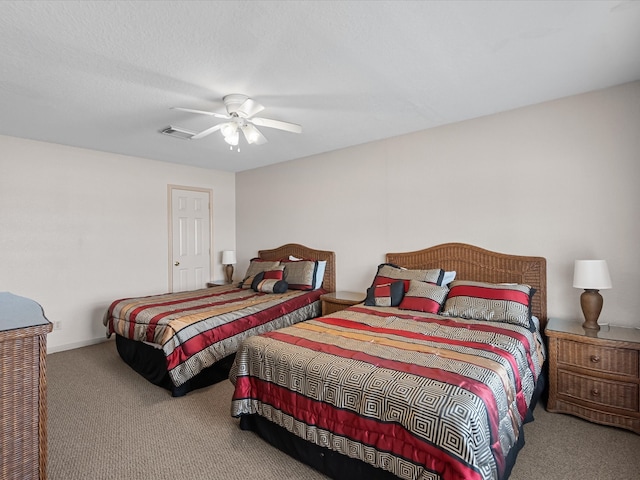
80	228
559	180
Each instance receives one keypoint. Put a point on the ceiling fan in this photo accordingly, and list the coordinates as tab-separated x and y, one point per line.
240	118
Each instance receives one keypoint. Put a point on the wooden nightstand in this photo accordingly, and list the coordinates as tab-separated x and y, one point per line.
336	301
595	375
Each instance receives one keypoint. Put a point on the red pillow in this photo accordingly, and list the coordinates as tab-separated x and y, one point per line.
275	274
424	297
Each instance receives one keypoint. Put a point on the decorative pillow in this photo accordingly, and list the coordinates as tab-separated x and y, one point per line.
301	274
270	281
424	297
322	265
256	265
276	273
498	302
388	272
247	282
385	295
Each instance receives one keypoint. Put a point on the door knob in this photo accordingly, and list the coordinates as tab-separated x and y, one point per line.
177	263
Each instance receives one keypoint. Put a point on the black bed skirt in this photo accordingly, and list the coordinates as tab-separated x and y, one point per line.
341	467
332	464
151	363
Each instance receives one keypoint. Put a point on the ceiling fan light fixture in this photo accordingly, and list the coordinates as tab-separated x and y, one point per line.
228	129
233	138
252	137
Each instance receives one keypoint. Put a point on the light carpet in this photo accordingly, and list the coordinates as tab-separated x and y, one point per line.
107	422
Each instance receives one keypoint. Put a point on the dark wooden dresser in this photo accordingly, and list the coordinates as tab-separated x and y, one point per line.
595	375
23	389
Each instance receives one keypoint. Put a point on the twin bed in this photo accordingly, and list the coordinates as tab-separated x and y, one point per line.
427	379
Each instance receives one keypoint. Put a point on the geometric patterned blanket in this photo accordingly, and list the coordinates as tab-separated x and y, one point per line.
419	395
198	328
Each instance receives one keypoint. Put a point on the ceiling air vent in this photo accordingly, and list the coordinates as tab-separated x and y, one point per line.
178	132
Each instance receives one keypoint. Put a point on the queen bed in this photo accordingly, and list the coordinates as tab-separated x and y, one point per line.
429	378
187	340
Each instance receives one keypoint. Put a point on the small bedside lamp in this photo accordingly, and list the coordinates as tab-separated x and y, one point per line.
228	260
592	275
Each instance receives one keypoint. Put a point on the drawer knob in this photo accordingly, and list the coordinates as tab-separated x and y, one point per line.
595	392
594	358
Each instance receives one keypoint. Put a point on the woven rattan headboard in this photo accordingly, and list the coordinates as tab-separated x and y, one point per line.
474	263
300	251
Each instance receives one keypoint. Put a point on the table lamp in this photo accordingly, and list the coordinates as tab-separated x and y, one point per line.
592	275
228	260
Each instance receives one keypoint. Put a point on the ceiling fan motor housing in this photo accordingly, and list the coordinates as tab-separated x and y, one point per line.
233	102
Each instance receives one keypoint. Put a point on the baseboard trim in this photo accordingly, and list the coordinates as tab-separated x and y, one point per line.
72	346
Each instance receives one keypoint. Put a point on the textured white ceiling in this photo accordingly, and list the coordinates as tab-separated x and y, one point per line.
103	75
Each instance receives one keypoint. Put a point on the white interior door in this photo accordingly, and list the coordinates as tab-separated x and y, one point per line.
190	238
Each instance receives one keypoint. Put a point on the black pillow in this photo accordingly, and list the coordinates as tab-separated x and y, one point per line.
269	285
385	295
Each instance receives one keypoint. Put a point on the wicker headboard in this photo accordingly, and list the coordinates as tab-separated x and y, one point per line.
474	263
300	251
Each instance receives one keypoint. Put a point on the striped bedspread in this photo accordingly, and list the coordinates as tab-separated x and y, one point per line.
195	329
422	396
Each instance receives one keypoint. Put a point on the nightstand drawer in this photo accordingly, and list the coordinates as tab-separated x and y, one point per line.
328	308
604	392
619	361
594	375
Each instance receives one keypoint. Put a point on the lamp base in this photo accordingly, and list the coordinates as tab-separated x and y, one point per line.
591	303
228	273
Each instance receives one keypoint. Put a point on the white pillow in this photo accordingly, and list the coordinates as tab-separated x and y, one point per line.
448	277
322	264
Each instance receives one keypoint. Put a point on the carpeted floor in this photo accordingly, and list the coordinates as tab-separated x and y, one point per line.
107	422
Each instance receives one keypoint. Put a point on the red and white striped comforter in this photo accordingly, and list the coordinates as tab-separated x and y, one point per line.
195	329
419	395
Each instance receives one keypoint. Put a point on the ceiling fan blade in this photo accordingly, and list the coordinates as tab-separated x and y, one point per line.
208	131
249	108
253	135
201	112
267	122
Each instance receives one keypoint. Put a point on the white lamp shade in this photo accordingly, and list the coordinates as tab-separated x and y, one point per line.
228	257
232	139
591	274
